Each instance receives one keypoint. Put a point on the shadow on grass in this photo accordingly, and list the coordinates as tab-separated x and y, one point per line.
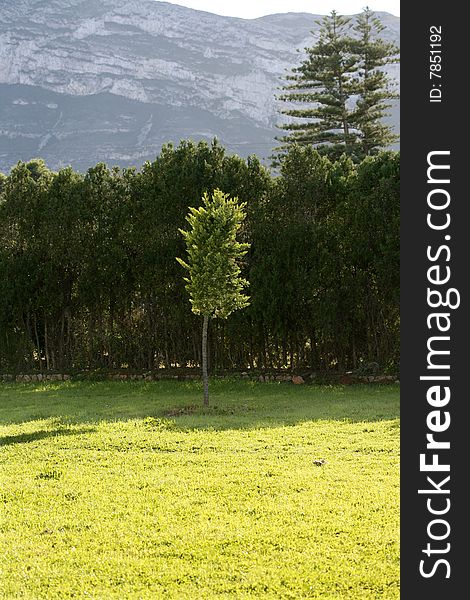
234	404
42	434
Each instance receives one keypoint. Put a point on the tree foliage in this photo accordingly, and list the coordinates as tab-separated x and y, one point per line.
322	85
214	284
89	278
374	90
339	94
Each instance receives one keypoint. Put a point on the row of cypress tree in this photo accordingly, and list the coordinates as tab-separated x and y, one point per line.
89	277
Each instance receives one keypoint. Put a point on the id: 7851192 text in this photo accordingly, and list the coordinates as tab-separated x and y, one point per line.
435	63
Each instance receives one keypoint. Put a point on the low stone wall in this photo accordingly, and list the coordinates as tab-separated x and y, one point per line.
35	377
296	379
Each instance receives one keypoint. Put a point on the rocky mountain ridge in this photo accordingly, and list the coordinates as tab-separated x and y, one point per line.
89	80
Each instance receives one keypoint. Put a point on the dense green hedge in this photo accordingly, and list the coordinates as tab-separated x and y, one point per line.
88	275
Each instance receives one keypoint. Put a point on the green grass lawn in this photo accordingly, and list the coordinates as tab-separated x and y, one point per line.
130	490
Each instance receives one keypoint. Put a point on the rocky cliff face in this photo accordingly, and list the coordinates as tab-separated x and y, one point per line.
89	80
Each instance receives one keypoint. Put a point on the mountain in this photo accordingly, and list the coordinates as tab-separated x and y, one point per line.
83	81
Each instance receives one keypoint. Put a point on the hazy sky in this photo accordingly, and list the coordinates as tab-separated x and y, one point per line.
250	9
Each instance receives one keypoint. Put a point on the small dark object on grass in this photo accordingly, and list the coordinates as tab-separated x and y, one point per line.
320	462
185	410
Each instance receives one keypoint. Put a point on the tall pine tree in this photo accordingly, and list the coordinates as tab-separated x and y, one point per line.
341	90
322	86
374	87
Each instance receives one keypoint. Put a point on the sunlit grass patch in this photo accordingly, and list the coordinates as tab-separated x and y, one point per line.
132	490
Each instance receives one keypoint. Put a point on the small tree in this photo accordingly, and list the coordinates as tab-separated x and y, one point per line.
214	283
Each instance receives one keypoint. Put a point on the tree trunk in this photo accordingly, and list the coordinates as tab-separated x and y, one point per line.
205	378
251	355
344	116
46	343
